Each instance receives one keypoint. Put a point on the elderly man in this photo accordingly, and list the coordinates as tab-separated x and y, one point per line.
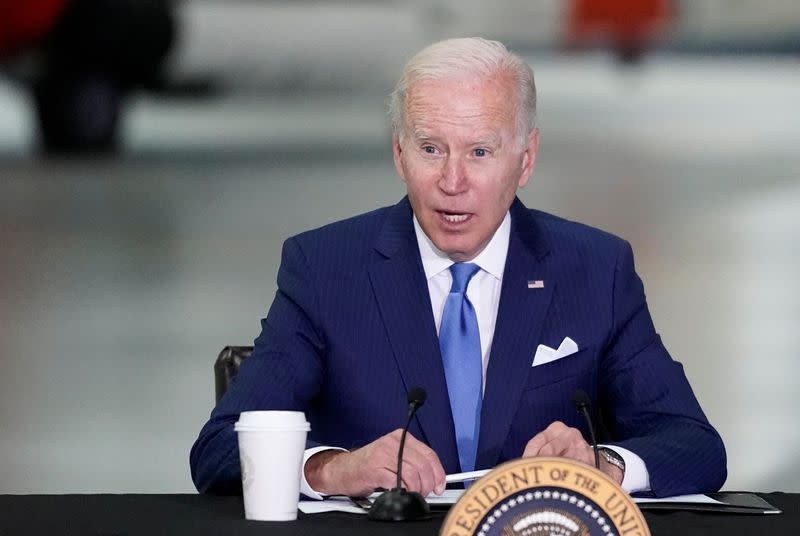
499	312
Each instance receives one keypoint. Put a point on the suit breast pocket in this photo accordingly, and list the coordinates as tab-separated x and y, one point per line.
580	363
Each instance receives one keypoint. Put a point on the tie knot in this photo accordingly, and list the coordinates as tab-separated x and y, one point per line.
462	273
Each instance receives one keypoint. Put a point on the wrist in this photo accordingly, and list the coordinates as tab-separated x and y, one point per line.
318	471
612	464
612	471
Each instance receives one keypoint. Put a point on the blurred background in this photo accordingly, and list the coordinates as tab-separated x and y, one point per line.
154	155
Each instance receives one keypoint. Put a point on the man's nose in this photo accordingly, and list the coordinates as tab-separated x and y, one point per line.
453	179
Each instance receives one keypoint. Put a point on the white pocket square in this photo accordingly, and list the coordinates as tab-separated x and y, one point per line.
545	354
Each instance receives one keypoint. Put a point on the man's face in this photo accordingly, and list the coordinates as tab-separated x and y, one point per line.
462	159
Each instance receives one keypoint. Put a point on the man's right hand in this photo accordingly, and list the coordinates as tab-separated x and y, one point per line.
360	472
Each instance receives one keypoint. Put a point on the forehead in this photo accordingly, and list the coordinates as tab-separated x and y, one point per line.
475	102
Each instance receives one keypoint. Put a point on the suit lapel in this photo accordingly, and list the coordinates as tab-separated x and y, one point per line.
520	316
401	290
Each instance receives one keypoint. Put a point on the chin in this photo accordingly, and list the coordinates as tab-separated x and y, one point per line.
453	246
458	253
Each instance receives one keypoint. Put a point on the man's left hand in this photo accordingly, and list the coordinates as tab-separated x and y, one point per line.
558	439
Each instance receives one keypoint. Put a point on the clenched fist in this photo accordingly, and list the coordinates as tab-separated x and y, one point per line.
558	439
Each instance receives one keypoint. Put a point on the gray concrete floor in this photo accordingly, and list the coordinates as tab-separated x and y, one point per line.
121	279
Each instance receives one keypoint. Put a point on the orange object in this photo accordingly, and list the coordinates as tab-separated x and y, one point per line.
24	23
624	23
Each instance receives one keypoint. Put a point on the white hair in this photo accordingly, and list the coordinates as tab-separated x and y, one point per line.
456	58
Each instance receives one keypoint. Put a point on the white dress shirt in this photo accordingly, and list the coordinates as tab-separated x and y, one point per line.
484	294
484	287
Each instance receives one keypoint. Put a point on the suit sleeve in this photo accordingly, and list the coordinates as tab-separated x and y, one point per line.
283	373
651	409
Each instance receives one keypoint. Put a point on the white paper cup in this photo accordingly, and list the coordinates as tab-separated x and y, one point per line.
271	445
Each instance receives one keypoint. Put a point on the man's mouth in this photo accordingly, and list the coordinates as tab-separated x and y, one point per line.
454	217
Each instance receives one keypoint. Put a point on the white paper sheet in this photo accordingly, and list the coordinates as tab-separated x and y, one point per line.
451	496
330	505
464	477
697	499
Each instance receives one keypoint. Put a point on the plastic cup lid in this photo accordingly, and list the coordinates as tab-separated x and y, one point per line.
272	418
244	427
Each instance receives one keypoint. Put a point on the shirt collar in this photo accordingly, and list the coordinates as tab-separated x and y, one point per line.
491	260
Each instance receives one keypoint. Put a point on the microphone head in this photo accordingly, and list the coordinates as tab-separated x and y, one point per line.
580	399
417	396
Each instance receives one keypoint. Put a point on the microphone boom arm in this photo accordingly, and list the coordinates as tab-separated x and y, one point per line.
412	409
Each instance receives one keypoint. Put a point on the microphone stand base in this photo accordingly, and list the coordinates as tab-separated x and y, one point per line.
399	505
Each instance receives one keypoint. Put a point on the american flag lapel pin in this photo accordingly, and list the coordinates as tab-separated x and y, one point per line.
536	283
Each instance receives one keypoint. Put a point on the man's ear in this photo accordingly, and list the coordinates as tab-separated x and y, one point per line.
397	150
529	157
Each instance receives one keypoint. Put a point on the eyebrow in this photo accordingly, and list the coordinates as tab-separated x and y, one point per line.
422	135
490	140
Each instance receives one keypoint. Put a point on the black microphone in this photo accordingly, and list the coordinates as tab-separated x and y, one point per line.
416	398
581	402
400	504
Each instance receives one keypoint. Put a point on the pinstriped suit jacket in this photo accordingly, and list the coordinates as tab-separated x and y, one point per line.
351	330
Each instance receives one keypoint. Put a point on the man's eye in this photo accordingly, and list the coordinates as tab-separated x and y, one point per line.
429	149
480	152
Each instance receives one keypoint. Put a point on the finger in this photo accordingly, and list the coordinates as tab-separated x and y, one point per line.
412	479
416	477
421	468
556	429
431	473
534	446
569	443
582	451
582	454
420	459
419	477
555	440
383	455
439	476
426	463
434	468
557	446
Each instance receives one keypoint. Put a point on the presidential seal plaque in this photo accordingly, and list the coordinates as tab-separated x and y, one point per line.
544	497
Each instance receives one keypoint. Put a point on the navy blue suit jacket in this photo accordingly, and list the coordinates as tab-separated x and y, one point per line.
351	330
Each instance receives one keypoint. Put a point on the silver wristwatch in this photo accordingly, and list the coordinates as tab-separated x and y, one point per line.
612	457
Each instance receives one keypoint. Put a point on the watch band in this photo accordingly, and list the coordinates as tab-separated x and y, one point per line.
612	457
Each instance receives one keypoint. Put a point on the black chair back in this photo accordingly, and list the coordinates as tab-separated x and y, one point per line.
226	367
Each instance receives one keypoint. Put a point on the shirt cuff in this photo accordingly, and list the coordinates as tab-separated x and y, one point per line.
305	489
636	477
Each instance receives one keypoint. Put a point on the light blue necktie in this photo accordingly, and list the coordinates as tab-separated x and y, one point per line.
460	343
